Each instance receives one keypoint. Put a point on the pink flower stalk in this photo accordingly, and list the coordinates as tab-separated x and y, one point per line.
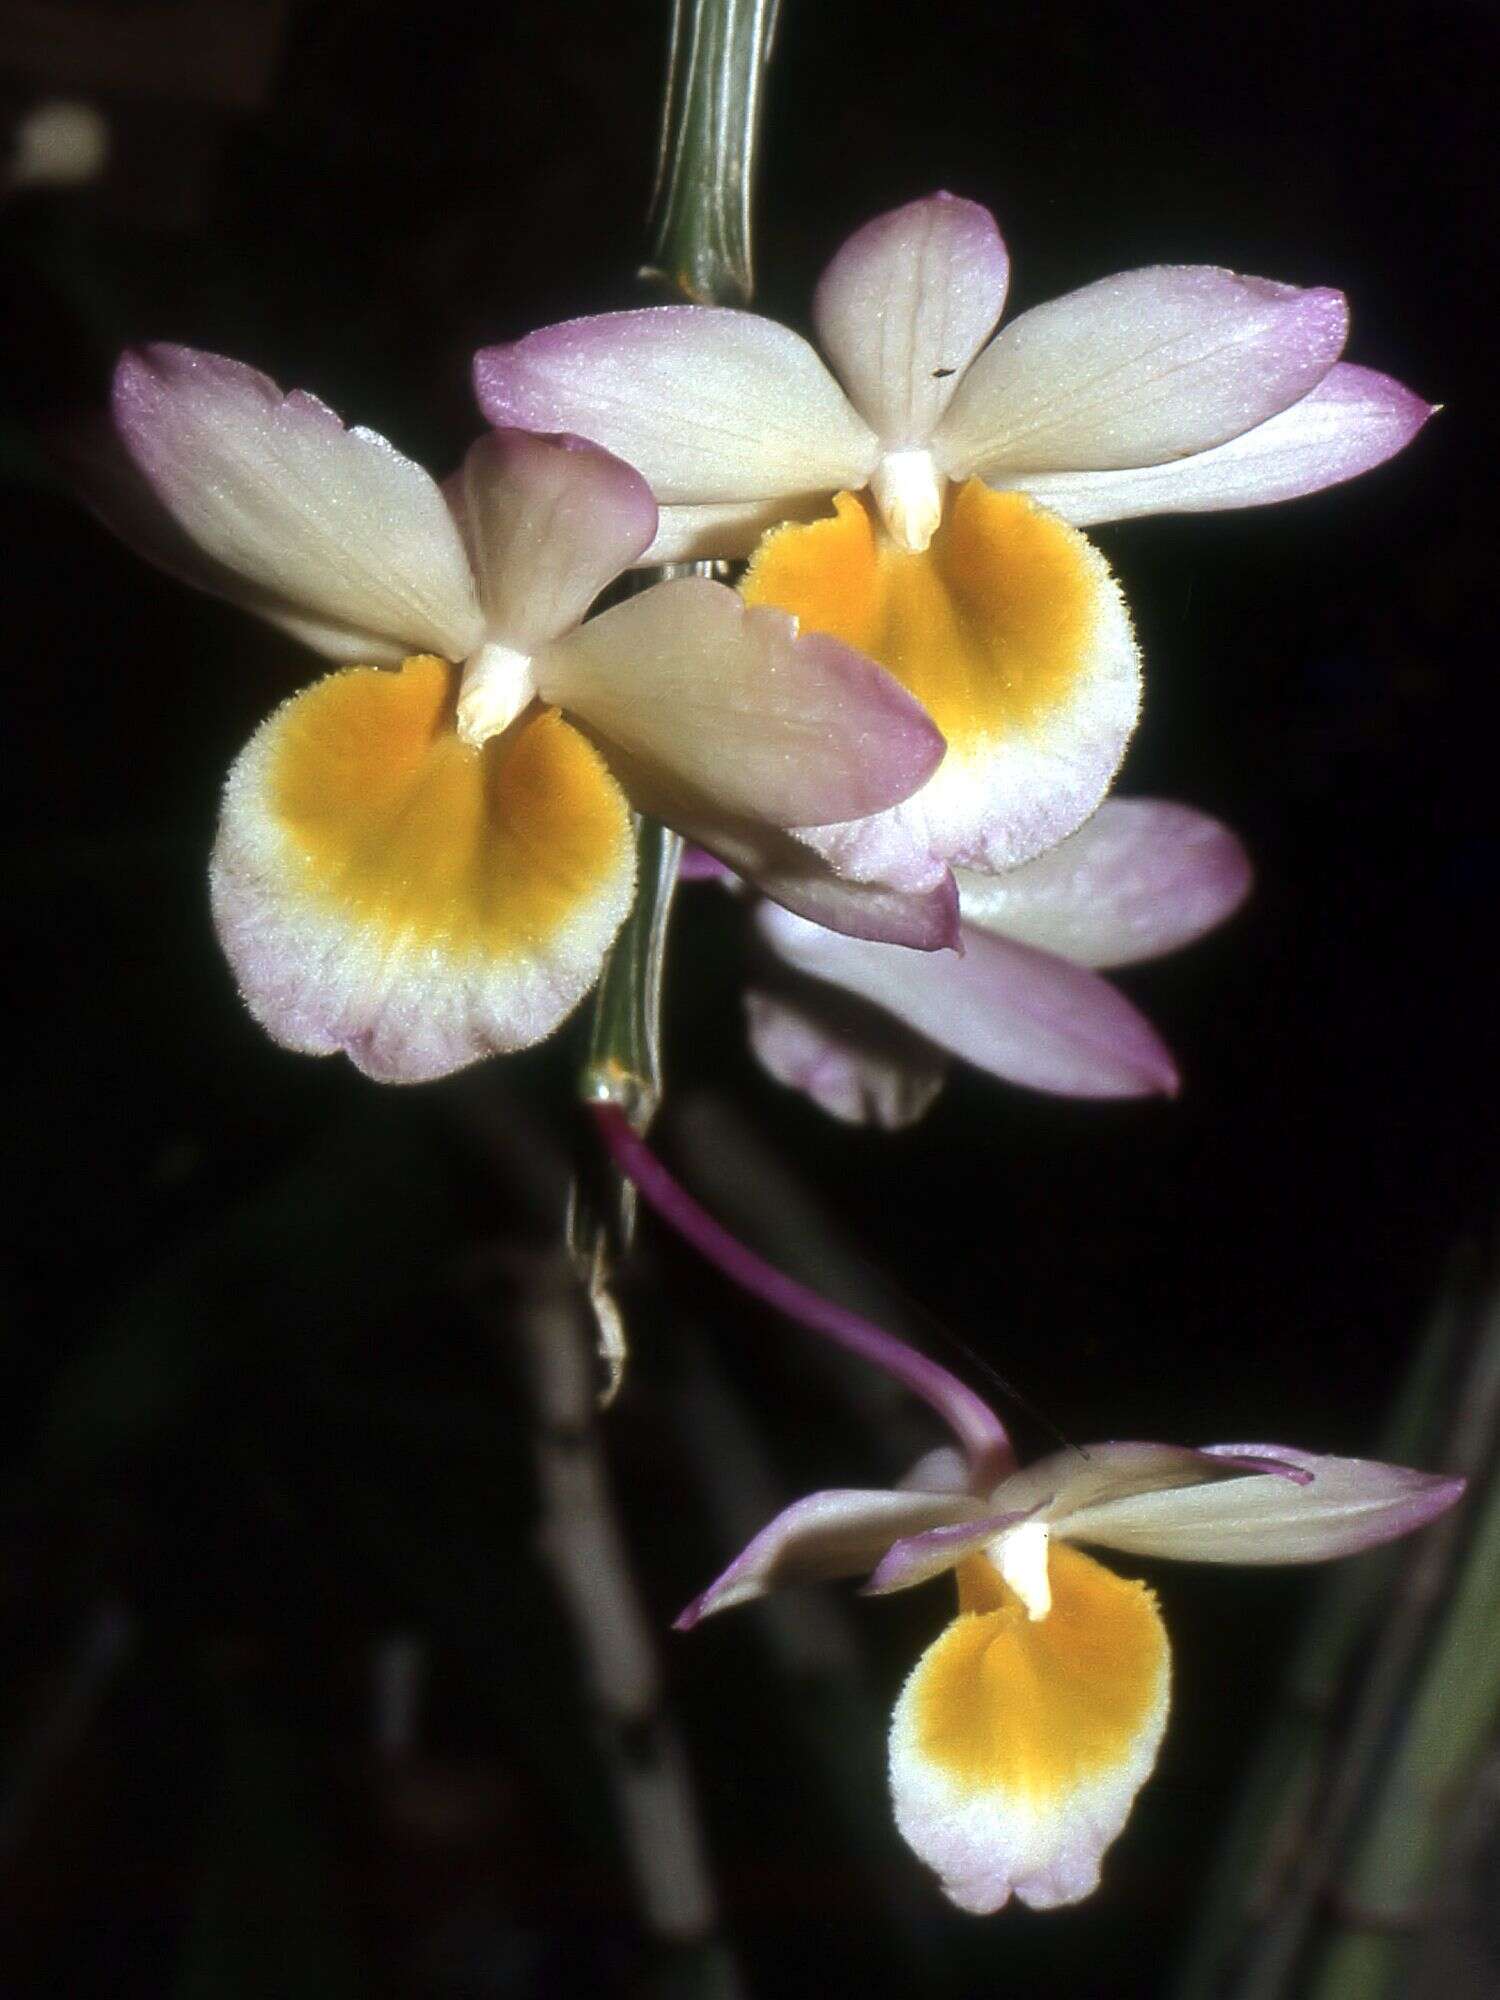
978	1429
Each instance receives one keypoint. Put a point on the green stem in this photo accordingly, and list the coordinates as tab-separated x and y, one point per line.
624	1059
701	244
1328	1879
700	211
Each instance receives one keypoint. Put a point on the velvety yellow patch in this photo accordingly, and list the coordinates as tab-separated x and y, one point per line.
1034	1708
409	830
989	627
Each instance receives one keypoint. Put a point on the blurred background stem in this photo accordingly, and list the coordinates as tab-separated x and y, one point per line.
1363	1860
583	1542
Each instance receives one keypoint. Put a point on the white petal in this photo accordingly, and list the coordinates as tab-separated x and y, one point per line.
333	528
1018	1013
1349	1504
727	704
904	307
1065	1482
549	522
1141	878
1353	420
1137	369
783	867
706	403
825	1535
901	848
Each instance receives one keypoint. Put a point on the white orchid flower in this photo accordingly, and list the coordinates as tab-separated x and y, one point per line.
1027	1728
960	468
1024	1733
423	858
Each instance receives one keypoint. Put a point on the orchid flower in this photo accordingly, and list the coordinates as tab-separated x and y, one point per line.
960	468
1141	878
1023	1734
1026	1729
423	857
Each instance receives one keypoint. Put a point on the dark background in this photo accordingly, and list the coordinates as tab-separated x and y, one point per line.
264	1409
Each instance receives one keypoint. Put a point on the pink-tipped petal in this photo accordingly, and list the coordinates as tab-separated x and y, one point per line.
93	460
1081	1476
826	1535
333	529
1141	878
904	307
901	848
107	480
924	920
1308	1509
783	867
708	404
1139	369
728	705
885	1080
1020	1014
549	521
1354	420
917	1558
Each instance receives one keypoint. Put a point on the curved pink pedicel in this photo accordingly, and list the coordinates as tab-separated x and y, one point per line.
972	1421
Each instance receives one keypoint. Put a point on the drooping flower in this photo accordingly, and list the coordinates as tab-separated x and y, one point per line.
1024	1001
422	866
960	468
1024	1733
1026	1730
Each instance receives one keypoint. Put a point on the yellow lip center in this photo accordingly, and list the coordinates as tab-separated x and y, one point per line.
1035	1707
399	823
989	627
